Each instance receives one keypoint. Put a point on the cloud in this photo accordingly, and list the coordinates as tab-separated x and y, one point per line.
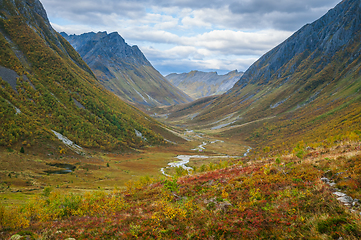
187	58
238	42
80	9
226	13
235	17
280	14
177	35
73	29
222	66
214	43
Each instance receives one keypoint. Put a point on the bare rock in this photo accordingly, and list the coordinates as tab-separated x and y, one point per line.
224	206
325	180
345	199
339	194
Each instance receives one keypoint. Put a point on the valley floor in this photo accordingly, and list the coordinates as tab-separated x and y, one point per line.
26	174
311	193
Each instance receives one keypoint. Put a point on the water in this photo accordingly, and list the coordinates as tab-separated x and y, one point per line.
67	168
248	151
184	159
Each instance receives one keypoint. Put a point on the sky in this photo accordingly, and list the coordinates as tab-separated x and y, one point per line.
179	36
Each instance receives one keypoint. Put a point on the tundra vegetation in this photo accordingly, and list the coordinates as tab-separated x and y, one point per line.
258	197
300	127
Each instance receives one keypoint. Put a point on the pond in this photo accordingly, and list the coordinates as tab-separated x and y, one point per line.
65	168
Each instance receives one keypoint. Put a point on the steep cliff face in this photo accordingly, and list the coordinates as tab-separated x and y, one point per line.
318	42
203	84
312	75
47	90
125	70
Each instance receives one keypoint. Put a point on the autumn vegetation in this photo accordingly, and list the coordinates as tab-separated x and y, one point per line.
57	91
276	197
273	192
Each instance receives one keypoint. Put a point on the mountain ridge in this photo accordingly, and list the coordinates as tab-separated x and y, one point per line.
45	86
198	84
331	36
125	70
311	80
299	176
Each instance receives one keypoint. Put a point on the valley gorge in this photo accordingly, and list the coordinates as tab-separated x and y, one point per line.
124	70
96	144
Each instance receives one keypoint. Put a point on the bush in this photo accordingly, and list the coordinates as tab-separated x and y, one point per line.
171	185
330	225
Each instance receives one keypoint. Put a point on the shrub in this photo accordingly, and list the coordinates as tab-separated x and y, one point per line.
47	191
330	225
171	185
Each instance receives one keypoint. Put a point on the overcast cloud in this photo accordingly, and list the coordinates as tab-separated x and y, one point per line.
184	35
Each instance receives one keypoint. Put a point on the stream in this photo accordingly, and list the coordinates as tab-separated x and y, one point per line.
184	159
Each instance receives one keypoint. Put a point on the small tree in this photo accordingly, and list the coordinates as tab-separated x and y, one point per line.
22	150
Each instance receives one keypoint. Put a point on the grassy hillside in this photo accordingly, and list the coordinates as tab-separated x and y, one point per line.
56	90
307	88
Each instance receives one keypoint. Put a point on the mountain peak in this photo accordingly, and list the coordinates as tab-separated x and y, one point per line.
37	8
61	91
199	84
102	34
125	70
99	35
232	72
325	37
320	63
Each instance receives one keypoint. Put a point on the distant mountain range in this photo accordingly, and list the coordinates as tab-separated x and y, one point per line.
124	70
308	86
203	84
49	95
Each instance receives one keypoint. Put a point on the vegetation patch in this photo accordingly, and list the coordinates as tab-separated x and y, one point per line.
278	197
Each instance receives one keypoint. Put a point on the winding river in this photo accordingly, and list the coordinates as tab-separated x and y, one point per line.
184	159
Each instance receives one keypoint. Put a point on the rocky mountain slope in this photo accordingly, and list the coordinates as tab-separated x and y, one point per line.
124	70
49	94
203	84
309	85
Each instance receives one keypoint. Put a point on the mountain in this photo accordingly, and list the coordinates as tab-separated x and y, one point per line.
124	70
203	84
48	94
306	87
